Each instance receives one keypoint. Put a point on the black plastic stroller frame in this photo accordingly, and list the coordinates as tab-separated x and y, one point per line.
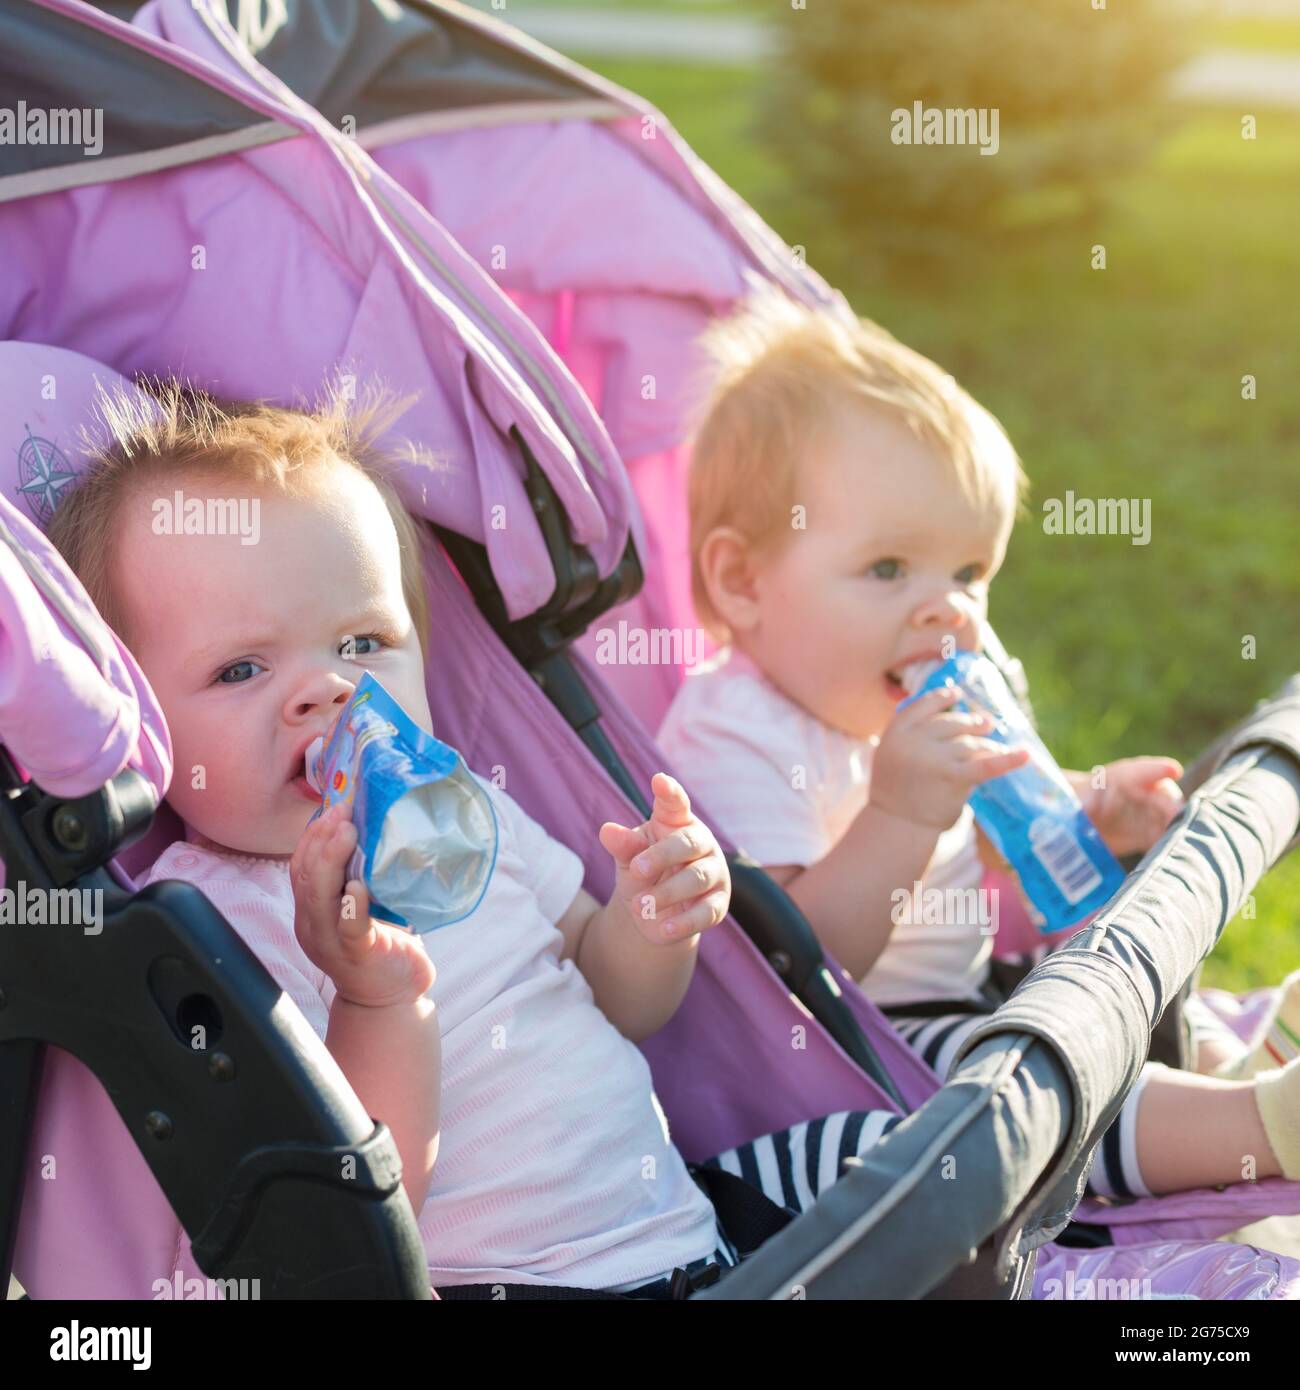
257	1149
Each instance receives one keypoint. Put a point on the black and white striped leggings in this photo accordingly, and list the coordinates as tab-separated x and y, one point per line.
1114	1171
792	1166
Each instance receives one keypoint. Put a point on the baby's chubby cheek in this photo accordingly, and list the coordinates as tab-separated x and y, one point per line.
231	803
201	801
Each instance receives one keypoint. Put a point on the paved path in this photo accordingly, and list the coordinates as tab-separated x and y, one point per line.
1235	76
1231	76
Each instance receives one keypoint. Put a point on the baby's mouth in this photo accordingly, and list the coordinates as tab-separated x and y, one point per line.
298	781
908	679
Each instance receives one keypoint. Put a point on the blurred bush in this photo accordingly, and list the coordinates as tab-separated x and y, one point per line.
1079	92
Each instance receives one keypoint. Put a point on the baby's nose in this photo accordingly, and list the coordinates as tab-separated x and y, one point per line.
949	609
319	691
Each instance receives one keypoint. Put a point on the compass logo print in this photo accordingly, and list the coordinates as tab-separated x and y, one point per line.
43	472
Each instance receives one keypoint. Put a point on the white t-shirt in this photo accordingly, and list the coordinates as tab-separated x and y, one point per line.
555	1165
785	788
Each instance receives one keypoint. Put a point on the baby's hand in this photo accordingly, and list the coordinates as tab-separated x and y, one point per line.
370	962
1136	804
930	759
672	876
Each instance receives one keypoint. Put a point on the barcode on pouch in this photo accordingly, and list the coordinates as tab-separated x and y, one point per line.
1074	874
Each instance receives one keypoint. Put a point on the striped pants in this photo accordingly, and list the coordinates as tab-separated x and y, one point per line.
1114	1171
792	1166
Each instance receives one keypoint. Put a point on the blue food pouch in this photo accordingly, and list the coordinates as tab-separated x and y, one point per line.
1031	814
426	829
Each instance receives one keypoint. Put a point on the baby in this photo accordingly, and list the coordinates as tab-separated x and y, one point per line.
850	507
538	1170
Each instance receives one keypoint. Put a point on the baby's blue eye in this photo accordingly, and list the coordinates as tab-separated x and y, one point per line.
886	569
969	574
351	646
238	666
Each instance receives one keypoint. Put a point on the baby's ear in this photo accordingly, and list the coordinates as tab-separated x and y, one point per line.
728	569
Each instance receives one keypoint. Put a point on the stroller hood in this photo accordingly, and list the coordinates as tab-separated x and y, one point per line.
585	206
191	160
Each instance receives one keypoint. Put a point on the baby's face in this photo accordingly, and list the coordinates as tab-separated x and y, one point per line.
244	645
893	559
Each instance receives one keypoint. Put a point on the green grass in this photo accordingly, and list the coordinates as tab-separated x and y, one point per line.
1124	382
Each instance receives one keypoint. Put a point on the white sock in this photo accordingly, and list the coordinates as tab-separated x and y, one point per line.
1277	1097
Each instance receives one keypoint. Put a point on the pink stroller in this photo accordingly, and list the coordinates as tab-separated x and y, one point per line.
633	248
238	1136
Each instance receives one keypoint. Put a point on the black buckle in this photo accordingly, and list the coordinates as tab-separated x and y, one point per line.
682	1283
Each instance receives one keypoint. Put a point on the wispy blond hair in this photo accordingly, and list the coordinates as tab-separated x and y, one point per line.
168	431
775	371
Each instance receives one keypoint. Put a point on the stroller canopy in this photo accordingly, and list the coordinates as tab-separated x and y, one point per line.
579	199
181	196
